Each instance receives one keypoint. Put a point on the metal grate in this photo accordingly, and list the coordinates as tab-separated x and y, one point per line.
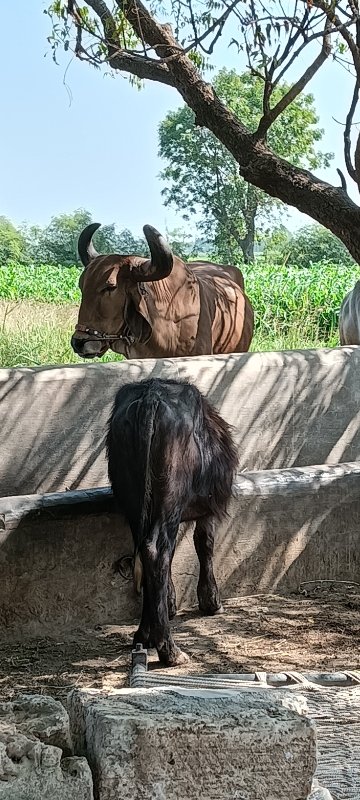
332	700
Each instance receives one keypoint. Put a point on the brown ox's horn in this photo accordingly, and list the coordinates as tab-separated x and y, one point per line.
161	262
85	246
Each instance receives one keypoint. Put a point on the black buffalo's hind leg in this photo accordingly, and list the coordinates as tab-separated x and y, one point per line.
142	635
156	555
207	590
171	589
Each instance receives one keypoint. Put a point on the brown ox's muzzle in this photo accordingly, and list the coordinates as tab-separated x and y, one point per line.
93	343
88	343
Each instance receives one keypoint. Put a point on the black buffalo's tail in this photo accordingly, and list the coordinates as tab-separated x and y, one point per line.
129	451
147	412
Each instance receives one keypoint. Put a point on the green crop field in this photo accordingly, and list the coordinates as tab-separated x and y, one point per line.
294	308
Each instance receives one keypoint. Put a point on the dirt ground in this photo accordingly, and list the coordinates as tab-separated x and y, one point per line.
319	630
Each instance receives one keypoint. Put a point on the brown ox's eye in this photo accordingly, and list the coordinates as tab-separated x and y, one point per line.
109	288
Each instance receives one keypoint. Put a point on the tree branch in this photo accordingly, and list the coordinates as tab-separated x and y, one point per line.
347	132
258	165
144	68
342	178
139	65
342	29
288	98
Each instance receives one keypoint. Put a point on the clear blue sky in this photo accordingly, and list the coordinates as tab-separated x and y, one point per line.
98	150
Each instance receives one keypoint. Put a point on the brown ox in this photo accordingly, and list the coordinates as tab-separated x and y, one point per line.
349	317
159	307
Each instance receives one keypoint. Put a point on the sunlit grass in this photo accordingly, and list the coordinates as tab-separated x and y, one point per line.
33	334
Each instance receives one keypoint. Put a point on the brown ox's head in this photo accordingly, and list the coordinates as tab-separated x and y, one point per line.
113	312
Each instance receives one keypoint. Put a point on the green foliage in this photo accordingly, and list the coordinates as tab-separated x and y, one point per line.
180	242
119	30
312	244
276	245
293	135
57	242
281	294
202	177
12	243
46	283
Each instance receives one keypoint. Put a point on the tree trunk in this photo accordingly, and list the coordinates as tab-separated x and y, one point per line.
247	246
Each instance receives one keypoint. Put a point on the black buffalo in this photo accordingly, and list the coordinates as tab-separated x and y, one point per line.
171	458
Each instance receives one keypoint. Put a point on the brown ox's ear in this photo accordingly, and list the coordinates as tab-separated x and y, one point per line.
161	263
85	246
136	315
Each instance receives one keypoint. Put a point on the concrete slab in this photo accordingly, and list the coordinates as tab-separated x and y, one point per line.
288	409
168	744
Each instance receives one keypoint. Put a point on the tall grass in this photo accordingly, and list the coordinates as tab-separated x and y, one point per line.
294	309
33	333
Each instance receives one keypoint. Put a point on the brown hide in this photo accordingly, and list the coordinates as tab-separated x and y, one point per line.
196	309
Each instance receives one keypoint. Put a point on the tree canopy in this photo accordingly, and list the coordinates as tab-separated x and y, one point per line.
173	43
310	245
56	243
202	176
12	243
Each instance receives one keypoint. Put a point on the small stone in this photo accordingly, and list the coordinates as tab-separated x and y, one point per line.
318	792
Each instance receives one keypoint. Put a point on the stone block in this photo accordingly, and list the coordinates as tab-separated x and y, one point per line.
34	734
170	744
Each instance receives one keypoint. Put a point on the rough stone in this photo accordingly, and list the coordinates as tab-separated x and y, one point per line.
170	743
32	770
34	734
40	716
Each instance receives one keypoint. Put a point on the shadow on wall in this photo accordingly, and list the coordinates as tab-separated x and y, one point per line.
59	564
287	408
273	541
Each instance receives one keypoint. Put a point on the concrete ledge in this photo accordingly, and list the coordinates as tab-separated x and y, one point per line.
288	409
175	743
59	554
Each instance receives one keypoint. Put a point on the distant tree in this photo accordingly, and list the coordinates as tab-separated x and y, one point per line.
127	243
276	244
12	243
202	177
57	242
313	244
181	242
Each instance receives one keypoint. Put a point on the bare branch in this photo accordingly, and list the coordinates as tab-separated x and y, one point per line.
288	98
347	133
343	181
341	28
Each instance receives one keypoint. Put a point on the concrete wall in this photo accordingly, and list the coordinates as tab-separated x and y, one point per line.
288	408
59	554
